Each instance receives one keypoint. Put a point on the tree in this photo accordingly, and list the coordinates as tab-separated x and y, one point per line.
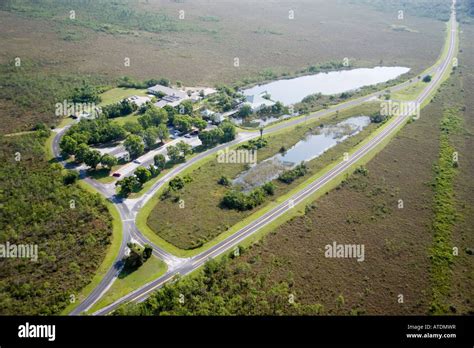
183	123
128	185
173	153
93	158
135	257
134	145
81	153
133	127
70	177
229	131
153	117
108	161
147	251
427	78
199	123
245	111
142	174
160	161
68	145
163	132
179	152
211	138
149	137
186	107
153	171
177	183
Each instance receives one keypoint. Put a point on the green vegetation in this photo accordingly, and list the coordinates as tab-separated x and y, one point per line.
438	9
72	229
238	200
223	289
30	93
122	108
291	175
130	281
187	228
117	17
441	253
224	133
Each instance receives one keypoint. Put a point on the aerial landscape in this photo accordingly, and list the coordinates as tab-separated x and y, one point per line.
236	158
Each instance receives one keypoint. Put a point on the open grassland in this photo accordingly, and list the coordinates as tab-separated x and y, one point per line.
202	218
260	34
71	228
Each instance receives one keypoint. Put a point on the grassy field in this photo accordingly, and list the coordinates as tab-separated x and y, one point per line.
264	40
189	228
126	283
115	95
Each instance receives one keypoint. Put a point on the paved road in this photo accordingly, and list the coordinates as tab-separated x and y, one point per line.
128	209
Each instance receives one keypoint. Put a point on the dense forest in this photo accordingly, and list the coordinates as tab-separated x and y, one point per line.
71	228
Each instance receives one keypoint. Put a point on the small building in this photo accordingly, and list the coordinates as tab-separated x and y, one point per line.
167	92
258	102
207	113
138	101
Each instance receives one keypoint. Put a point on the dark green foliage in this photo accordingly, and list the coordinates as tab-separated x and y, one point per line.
160	161
255	144
291	175
237	200
178	182
96	131
179	152
128	185
224	133
70	177
113	17
223	288
224	181
123	108
134	145
427	78
36	209
147	251
135	258
85	94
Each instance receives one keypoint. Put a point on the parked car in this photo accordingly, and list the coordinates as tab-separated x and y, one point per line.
116	175
137	161
187	136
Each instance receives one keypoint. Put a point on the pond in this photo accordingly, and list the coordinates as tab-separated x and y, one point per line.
294	90
311	147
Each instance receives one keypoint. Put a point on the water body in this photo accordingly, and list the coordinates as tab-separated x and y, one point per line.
311	147
295	90
259	122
